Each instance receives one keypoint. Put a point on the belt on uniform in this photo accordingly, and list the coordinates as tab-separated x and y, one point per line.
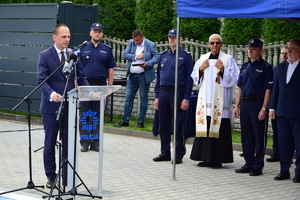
252	98
90	80
142	73
170	88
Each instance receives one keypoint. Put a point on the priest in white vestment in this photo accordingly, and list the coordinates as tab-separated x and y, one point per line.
215	73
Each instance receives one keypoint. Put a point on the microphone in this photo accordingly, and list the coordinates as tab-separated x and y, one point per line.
83	44
68	64
80	46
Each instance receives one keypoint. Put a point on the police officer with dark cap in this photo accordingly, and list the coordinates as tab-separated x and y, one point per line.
164	97
255	85
98	64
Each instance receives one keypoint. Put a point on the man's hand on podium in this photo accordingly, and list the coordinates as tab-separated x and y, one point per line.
95	95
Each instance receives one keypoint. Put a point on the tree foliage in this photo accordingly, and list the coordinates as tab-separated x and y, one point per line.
117	17
276	30
238	31
154	18
198	28
28	1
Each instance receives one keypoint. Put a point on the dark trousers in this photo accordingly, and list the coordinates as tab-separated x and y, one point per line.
275	138
166	113
89	118
289	140
51	127
253	133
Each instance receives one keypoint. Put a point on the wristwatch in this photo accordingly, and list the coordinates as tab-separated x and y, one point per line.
264	109
185	100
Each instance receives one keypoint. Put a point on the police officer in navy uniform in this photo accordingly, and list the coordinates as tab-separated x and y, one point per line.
98	63
164	97
255	85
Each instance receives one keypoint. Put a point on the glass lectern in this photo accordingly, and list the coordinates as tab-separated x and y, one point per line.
86	93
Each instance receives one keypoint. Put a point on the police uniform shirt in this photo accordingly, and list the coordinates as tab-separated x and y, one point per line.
97	60
255	78
166	71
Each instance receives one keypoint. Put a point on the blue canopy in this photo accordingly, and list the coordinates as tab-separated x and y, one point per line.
239	8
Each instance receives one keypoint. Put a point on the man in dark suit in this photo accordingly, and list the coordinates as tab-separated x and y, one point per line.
275	156
142	55
52	91
286	107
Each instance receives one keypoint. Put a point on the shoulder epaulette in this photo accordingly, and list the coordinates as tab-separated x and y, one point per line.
246	63
186	51
267	64
107	45
164	52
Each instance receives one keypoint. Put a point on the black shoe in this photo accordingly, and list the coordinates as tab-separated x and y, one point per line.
84	149
241	154
255	172
162	157
244	169
273	158
50	183
216	165
296	179
95	148
178	161
204	164
122	123
140	125
282	176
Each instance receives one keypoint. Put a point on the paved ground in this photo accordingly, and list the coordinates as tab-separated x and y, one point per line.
130	174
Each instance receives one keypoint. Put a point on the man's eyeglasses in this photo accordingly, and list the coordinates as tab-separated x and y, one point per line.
212	43
283	53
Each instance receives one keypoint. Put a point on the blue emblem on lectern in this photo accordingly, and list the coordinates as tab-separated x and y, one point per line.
89	120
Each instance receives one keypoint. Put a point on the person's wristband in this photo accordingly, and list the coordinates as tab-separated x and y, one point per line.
264	109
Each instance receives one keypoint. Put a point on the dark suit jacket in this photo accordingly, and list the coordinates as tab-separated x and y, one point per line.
151	57
285	98
48	62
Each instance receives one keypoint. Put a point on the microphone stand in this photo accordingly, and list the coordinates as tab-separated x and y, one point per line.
63	139
27	100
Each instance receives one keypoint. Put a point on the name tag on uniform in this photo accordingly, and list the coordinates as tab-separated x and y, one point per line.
260	71
102	51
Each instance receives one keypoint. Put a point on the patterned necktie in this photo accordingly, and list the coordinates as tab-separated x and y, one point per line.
63	58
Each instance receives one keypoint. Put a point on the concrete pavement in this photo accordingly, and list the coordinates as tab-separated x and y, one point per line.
130	174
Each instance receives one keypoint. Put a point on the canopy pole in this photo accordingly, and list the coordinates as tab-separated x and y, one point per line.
175	99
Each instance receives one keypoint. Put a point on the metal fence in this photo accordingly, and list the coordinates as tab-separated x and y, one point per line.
196	48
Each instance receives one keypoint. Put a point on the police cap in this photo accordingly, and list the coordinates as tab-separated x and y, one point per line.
254	42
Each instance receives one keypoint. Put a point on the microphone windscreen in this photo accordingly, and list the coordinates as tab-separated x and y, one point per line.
73	56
